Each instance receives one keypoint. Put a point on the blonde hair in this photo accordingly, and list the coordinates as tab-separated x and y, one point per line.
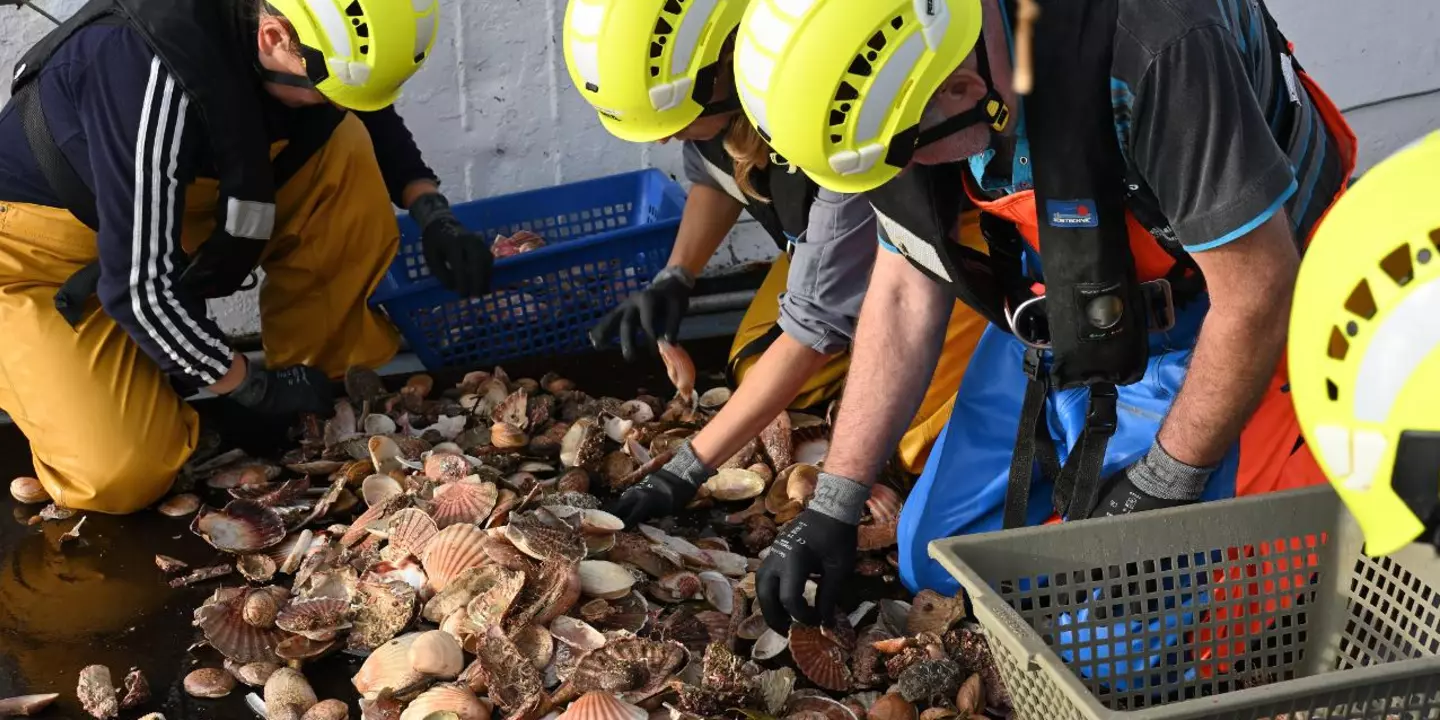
749	151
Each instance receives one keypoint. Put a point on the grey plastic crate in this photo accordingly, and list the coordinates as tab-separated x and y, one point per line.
1250	609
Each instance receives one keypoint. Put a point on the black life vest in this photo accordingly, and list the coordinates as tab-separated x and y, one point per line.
203	43
790	191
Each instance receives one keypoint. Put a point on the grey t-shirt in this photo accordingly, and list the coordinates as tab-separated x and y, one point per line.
829	264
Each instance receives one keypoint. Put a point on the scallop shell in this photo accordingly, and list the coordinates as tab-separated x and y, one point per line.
604	579
884	504
508	500
209	683
735	484
29	491
374	518
535	643
876	536
504	553
513	681
252	674
769	645
328	710
495	591
242	527
446	466
385	454
299	647
540	541
635	550
315	619
577	633
775	687
677	587
548	593
811	446
680	368
800	483
411	531
376	424
363	385
453	550
628	614
447	702
464	502
637	410
715	398
286	688
751	628
513	410
583	445
406	570
262	605
389	668
618	428
437	653
603	706
505	436
379	488
777	499
821	659
174	506
815	705
718	591
934	613
469	584
222	621
777	439
256	568
634	668
382	611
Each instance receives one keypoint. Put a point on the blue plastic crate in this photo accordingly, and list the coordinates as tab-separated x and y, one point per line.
606	238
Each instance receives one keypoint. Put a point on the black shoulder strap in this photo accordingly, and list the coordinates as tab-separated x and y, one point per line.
72	192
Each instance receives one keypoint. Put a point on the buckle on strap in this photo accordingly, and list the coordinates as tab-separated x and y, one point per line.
1030	324
1101	418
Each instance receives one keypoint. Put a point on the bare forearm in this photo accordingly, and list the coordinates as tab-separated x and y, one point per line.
897	345
1238	350
768	389
708	218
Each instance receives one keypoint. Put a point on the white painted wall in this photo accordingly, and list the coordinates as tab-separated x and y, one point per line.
495	112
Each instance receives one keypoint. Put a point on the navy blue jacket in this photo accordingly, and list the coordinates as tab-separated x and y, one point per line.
123	122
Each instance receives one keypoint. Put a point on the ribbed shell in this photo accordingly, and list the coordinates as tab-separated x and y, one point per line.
635	668
502	552
446	467
299	647
884	504
513	410
514	682
602	706
359	530
549	592
777	440
453	551
456	699
535	643
242	527
463	502
314	618
877	535
543	542
820	658
411	531
468	585
223	623
629	613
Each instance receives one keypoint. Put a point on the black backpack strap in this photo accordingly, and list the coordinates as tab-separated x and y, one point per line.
72	192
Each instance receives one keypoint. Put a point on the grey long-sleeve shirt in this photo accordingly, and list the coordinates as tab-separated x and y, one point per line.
829	264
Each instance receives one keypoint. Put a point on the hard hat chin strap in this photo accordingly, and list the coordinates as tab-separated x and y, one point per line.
287	79
990	110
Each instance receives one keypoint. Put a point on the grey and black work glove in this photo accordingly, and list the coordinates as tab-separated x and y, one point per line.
820	541
663	492
221	266
657	310
290	391
457	257
1156	482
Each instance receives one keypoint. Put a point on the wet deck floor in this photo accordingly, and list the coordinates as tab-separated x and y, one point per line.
105	602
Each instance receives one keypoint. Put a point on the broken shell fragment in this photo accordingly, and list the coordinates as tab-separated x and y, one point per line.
169	564
242	527
382	610
735	484
286	687
209	683
174	506
256	568
605	579
96	692
437	654
602	706
378	488
26	705
447	702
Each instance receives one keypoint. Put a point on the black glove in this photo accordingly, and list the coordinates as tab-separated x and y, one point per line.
458	258
221	266
658	309
289	391
1155	482
821	540
665	491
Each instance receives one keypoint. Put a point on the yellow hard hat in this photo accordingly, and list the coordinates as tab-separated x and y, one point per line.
1365	347
838	86
647	66
359	52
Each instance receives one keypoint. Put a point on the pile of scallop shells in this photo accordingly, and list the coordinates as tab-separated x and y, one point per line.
456	541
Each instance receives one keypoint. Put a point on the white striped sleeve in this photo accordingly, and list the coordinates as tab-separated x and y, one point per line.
140	248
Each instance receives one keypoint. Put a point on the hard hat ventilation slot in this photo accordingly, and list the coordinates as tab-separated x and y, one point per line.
897	23
846	92
663	28
1339	346
354	9
1435	237
1332	391
1398	266
1361	302
362	29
